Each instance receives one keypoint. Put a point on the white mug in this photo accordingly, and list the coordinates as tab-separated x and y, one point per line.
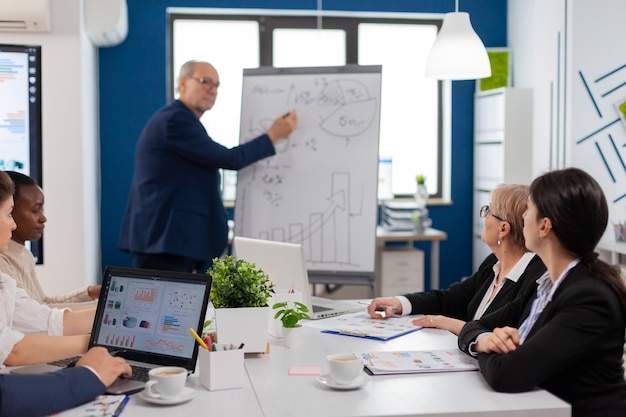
166	382
344	368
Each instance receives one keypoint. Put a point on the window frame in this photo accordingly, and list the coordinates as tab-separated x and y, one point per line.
268	20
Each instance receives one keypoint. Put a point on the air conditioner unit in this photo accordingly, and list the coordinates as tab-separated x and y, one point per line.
25	16
106	21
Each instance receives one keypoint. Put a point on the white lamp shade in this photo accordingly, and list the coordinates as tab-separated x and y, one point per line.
458	53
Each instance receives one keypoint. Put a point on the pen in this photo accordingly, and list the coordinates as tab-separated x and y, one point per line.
241	346
286	114
381	307
200	341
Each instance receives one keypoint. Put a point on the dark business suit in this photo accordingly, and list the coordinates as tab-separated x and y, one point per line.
574	349
175	205
462	299
45	394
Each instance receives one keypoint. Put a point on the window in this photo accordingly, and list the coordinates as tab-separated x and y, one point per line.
412	109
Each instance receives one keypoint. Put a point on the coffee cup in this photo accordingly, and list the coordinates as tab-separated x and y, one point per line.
166	382
344	368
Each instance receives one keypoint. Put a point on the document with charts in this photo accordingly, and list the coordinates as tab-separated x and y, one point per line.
362	325
417	361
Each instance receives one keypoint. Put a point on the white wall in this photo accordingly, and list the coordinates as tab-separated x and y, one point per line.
571	53
70	146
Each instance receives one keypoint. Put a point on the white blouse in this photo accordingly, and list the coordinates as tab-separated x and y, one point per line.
21	315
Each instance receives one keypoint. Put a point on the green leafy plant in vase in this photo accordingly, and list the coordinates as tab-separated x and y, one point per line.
421	196
290	317
238	283
240	292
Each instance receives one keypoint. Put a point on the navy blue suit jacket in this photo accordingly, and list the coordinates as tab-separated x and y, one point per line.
44	394
175	204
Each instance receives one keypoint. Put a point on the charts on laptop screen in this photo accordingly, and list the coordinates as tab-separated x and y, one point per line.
150	316
20	114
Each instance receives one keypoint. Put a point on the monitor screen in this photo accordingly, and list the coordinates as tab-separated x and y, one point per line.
20	115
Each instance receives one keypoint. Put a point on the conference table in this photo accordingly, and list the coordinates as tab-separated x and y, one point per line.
269	391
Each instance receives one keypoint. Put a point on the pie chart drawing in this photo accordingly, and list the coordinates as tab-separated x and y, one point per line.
346	108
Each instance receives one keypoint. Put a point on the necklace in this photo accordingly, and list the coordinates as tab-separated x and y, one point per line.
498	284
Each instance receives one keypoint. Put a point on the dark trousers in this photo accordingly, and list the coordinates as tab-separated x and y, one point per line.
166	262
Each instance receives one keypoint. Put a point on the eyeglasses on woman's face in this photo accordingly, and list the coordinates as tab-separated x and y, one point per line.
484	211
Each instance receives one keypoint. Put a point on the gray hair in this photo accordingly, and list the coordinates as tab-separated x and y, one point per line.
186	71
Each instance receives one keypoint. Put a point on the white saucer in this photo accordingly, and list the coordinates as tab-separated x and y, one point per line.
328	381
186	395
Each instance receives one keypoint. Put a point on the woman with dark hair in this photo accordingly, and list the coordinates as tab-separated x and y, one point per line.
18	261
567	336
31	332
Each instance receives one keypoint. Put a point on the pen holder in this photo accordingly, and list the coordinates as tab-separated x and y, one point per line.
221	369
275	327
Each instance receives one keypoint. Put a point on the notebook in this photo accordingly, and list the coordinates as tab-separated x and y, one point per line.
144	316
285	265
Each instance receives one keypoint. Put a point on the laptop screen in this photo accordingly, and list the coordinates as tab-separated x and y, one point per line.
145	315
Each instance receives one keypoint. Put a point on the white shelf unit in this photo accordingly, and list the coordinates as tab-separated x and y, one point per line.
401	271
502	149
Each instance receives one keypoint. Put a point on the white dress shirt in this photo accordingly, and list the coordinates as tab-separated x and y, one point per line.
21	315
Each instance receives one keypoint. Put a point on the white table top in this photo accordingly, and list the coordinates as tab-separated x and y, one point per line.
271	392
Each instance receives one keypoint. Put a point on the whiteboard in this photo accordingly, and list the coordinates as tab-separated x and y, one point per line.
320	189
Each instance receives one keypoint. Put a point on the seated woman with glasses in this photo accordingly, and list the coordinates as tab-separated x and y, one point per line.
567	336
508	272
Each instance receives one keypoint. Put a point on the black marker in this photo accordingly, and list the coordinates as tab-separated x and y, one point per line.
286	114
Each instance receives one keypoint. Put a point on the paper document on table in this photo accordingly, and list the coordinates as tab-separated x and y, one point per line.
101	406
417	361
362	325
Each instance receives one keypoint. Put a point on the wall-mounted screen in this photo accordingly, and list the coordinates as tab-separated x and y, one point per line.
20	115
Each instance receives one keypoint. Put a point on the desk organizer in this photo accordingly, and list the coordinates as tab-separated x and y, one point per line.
221	369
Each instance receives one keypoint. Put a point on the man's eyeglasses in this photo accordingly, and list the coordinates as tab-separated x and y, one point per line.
484	211
206	82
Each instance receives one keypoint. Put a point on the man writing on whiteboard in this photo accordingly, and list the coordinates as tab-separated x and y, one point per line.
175	218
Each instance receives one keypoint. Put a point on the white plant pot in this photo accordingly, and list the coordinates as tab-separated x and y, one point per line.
246	325
292	336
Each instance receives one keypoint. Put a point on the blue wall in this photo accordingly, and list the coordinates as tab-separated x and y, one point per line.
133	85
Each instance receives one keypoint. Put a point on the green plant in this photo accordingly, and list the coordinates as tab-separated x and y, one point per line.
291	316
238	283
420	179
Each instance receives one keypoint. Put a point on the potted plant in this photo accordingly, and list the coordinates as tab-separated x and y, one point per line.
239	293
290	318
421	195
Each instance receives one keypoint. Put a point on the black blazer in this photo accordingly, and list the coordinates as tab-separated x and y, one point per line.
461	300
574	349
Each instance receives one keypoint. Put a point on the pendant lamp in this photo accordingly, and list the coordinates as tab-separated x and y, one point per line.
458	53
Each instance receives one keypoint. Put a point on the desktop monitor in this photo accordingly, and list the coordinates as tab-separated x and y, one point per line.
20	115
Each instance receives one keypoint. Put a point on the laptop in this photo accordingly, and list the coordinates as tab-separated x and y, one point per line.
144	316
285	266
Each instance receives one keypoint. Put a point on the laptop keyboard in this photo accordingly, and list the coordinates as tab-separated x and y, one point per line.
140	373
62	363
317	309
